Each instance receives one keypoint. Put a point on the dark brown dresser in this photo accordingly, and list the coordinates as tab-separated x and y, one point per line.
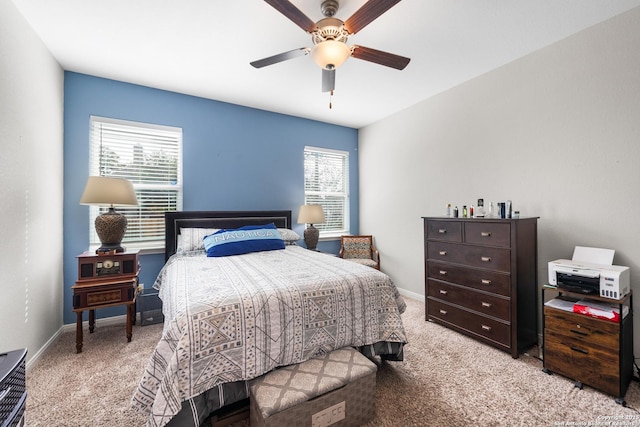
481	278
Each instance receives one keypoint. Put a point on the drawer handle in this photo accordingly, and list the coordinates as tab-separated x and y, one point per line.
579	350
486	304
444	312
443	272
485	234
486	328
579	332
443	253
442	231
486	282
443	292
485	259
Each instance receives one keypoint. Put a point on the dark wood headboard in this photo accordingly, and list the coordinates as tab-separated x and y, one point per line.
173	221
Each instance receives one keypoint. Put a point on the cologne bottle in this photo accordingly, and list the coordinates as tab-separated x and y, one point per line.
480	209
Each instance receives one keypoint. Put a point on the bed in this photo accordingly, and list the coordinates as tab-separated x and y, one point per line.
230	319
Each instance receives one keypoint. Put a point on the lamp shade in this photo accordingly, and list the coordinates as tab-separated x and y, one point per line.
101	190
330	54
310	214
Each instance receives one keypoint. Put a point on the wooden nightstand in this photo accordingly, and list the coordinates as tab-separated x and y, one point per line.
105	281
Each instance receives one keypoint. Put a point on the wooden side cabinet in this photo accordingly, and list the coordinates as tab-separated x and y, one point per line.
105	281
591	351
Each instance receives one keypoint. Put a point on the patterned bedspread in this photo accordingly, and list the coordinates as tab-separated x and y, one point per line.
235	318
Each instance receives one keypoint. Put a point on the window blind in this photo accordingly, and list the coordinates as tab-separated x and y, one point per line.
150	156
326	183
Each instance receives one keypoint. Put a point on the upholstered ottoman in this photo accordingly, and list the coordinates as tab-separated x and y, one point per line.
338	389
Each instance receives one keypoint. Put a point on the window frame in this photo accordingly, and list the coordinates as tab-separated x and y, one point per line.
333	233
155	245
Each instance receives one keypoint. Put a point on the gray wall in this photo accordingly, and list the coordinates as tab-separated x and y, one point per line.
31	129
557	132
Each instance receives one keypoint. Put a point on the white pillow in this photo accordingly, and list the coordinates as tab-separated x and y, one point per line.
190	239
289	236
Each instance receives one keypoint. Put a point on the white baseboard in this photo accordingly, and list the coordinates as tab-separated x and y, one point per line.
33	360
107	321
411	295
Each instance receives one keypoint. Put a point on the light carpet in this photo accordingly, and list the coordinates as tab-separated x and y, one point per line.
446	379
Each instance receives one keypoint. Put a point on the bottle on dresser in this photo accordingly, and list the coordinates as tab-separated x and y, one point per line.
480	209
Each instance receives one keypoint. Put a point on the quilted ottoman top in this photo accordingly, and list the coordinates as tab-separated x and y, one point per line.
290	385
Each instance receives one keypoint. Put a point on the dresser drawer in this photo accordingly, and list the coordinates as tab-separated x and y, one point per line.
474	256
582	328
490	305
476	324
484	280
450	231
592	365
488	233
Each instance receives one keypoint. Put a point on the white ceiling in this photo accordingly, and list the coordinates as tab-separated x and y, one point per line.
203	47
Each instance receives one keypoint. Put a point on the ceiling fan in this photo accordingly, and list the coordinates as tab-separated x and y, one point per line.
329	36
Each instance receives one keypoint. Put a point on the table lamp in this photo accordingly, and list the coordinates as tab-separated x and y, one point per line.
311	214
110	225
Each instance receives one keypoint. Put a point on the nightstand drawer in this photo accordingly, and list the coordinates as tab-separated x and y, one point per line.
488	233
484	280
591	365
582	328
474	256
490	305
444	230
476	324
86	297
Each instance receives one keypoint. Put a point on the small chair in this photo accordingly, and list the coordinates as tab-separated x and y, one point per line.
359	249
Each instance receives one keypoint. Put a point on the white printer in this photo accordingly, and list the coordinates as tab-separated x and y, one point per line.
609	281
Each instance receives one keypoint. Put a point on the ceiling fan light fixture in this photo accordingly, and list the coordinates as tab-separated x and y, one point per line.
330	54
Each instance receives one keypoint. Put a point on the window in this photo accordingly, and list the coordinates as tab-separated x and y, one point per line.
326	183
150	156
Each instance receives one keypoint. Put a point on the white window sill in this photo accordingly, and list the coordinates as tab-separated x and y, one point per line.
331	236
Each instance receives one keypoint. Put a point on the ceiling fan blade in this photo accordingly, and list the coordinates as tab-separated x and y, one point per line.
367	13
379	57
280	57
294	14
328	80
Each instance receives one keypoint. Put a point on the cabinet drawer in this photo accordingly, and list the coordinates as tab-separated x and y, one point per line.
87	297
490	305
450	231
591	365
488	233
582	328
476	324
490	281
474	256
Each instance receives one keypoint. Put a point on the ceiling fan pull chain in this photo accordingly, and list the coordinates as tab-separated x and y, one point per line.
330	96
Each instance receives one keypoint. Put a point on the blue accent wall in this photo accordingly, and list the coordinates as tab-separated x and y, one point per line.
234	158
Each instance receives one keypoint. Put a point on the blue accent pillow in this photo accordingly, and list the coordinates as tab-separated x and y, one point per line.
243	240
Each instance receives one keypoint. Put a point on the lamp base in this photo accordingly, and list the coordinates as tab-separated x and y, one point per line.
110	227
110	248
311	236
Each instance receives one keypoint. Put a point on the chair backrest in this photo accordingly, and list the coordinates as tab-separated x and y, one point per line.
356	246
